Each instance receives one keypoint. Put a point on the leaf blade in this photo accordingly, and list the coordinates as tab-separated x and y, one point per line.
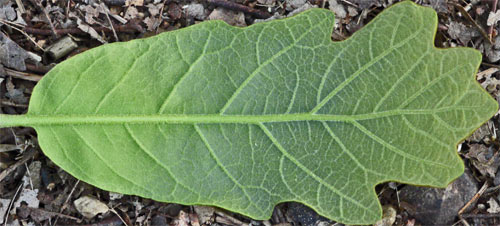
198	109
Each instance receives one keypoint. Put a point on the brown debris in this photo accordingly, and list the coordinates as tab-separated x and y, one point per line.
240	8
229	16
174	11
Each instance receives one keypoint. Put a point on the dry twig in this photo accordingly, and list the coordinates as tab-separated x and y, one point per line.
63	207
473	22
12	104
39	4
11	203
27	156
474	198
239	7
490	30
23	75
231	219
106	12
128	28
13	26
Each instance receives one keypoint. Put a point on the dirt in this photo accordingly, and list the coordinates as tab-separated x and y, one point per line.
34	191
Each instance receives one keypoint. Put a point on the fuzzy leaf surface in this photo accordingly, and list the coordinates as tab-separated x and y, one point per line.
246	118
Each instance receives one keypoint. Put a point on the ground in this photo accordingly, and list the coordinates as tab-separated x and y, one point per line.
36	35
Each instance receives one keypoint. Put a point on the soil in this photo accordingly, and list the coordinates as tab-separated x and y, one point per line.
36	35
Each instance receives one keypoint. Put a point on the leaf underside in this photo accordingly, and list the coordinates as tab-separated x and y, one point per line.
246	118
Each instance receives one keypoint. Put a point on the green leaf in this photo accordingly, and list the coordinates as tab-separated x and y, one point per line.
245	118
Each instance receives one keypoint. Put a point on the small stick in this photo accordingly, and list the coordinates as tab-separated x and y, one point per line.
474	198
463	221
110	22
63	207
129	28
20	6
118	215
10	204
23	75
49	213
486	72
442	27
486	215
473	22
29	154
11	104
159	17
490	65
239	7
29	174
490	31
19	132
39	4
42	69
12	25
231	219
350	3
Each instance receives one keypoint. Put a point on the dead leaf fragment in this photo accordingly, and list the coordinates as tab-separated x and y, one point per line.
229	16
115	196
294	4
205	214
459	31
493	51
89	30
7	12
364	4
15	94
153	9
151	24
266	2
89	207
38	214
439	5
4	207
90	13
337	8
181	220
174	11
494	207
29	197
131	13
302	9
8	147
11	54
134	2
486	73
484	159
388	217
493	18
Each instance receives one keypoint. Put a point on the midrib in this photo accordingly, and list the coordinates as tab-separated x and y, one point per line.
40	120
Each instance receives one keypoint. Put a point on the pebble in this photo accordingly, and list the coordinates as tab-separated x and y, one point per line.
196	11
294	4
437	206
89	207
303	215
